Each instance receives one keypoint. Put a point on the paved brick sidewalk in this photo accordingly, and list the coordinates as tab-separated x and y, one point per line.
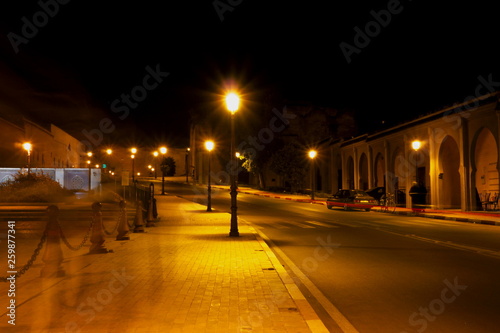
183	275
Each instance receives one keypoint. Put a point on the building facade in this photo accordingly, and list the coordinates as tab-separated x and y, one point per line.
51	146
457	160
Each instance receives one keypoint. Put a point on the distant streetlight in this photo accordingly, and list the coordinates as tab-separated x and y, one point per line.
209	146
416	146
133	151
312	155
155	154
163	151
89	154
27	146
186	164
232	104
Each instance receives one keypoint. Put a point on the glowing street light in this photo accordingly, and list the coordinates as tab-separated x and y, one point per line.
186	162
134	151
232	104
27	146
312	155
155	154
89	154
416	144
163	151
209	146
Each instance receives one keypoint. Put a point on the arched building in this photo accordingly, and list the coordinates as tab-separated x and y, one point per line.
457	160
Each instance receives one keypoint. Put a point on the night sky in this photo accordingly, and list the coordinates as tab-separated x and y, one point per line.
83	57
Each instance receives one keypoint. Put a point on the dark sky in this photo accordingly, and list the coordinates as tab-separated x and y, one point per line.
85	55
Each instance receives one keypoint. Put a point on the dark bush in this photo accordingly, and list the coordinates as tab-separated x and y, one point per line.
33	188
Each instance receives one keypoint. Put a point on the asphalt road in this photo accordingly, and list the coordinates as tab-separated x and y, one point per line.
377	272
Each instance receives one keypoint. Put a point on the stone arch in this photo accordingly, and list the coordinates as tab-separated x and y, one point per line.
339	174
350	173
485	162
400	169
449	174
379	171
363	172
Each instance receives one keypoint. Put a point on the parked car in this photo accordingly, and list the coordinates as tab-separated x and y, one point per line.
351	199
379	194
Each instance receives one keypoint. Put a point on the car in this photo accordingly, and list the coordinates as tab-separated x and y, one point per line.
379	194
351	199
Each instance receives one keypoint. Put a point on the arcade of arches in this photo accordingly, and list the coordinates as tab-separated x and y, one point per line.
457	160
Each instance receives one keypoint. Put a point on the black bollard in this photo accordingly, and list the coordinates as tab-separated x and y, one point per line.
53	256
123	228
97	237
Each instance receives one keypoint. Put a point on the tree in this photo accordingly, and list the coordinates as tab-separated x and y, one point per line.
168	166
289	162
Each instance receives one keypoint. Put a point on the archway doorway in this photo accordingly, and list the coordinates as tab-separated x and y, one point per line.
485	162
379	171
363	172
449	176
350	173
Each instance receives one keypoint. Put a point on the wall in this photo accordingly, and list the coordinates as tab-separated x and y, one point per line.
71	178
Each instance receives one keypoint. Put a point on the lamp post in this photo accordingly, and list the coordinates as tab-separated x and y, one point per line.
209	146
416	146
155	154
134	151
232	104
27	146
89	154
312	155
109	152
163	151
186	163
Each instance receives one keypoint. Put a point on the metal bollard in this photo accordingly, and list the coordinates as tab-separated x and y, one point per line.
53	256
139	219
123	228
97	238
150	221
155	210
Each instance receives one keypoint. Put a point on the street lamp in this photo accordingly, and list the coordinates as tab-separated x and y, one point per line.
232	104
209	146
109	152
312	155
186	163
134	151
89	154
155	154
163	151
27	146
416	146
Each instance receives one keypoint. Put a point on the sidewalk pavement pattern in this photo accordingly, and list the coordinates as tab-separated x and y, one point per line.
183	275
476	217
